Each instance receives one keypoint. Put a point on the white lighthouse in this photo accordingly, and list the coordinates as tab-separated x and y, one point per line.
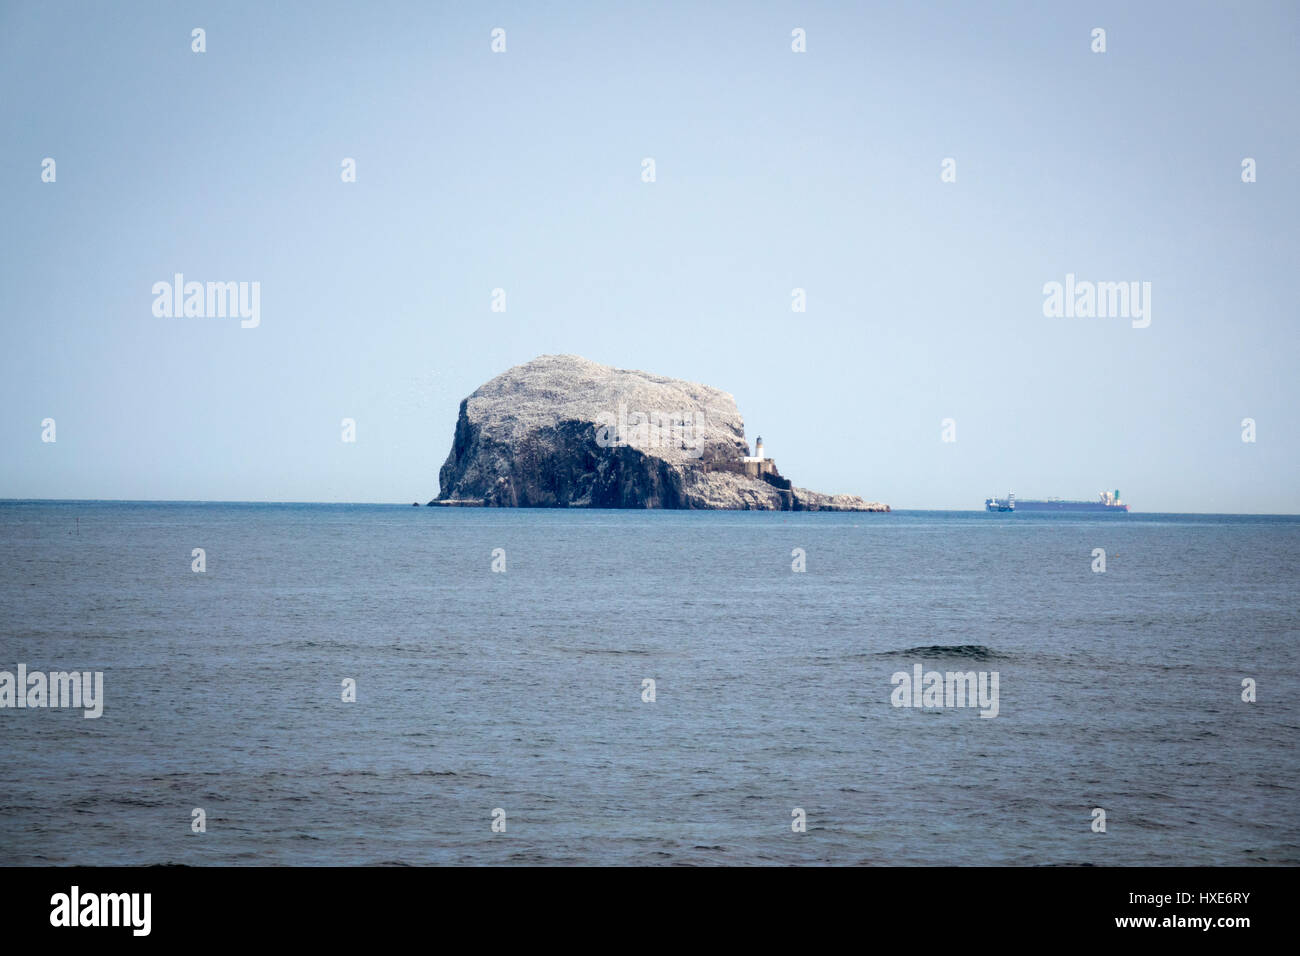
756	466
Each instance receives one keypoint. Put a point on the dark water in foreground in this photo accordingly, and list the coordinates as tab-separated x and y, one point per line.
522	691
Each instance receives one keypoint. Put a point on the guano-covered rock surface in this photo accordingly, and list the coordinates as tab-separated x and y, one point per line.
562	431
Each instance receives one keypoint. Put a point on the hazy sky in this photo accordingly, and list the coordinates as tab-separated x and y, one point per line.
774	170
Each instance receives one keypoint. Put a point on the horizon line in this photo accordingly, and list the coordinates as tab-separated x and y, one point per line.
398	504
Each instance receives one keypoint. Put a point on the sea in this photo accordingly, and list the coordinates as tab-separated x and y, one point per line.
571	687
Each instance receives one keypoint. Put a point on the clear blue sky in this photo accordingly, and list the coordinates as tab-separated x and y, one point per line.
775	170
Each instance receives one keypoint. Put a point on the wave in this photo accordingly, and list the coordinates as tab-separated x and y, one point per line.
974	652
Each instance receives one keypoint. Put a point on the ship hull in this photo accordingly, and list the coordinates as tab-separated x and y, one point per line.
1027	505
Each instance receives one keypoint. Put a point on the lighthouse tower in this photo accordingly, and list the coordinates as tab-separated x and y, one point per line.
754	463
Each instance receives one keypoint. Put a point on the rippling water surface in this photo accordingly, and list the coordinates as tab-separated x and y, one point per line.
523	690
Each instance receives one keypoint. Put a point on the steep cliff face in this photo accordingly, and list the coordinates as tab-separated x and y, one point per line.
561	431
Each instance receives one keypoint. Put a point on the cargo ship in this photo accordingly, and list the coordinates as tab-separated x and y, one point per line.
1106	501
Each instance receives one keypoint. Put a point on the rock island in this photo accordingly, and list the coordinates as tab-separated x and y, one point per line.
564	432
